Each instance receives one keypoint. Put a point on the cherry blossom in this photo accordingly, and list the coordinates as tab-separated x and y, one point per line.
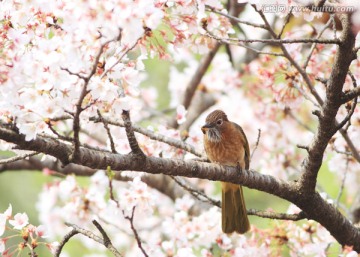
181	114
20	220
54	51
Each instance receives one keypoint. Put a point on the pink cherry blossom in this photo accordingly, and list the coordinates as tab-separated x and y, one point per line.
41	231
180	114
20	221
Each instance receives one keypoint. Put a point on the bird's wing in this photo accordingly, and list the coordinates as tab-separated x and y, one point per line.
245	144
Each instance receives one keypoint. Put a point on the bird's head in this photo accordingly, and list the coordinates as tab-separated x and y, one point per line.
214	126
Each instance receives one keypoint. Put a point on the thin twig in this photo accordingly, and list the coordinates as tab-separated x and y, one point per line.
353	106
146	132
322	80
301	123
126	51
277	216
158	137
74	73
211	9
112	144
66	238
348	116
79	108
292	61
327	25
343	152
78	230
85	232
303	147
134	145
256	144
84	145
263	214
353	93
201	196
18	157
350	144
138	240
238	41
287	19
110	173
106	239
261	52
58	134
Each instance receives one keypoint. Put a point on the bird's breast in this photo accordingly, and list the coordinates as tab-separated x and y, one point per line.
226	152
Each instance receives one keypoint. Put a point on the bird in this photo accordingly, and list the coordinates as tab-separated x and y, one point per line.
225	143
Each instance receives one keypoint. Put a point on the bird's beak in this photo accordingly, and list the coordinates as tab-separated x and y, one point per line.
206	127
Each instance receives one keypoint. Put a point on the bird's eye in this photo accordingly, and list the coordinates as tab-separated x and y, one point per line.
219	122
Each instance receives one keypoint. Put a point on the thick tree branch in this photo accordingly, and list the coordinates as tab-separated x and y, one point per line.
310	202
167	185
327	120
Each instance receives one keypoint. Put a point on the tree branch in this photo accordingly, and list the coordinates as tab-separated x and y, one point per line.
235	19
310	202
137	238
79	108
106	240
134	145
112	144
277	216
239	42
66	239
18	157
77	230
161	138
327	120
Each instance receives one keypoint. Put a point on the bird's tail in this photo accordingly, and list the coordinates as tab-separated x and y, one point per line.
234	216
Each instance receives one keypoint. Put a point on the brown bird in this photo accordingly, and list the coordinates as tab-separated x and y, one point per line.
225	143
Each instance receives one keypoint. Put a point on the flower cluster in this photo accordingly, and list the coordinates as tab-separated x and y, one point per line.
54	51
30	236
196	235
